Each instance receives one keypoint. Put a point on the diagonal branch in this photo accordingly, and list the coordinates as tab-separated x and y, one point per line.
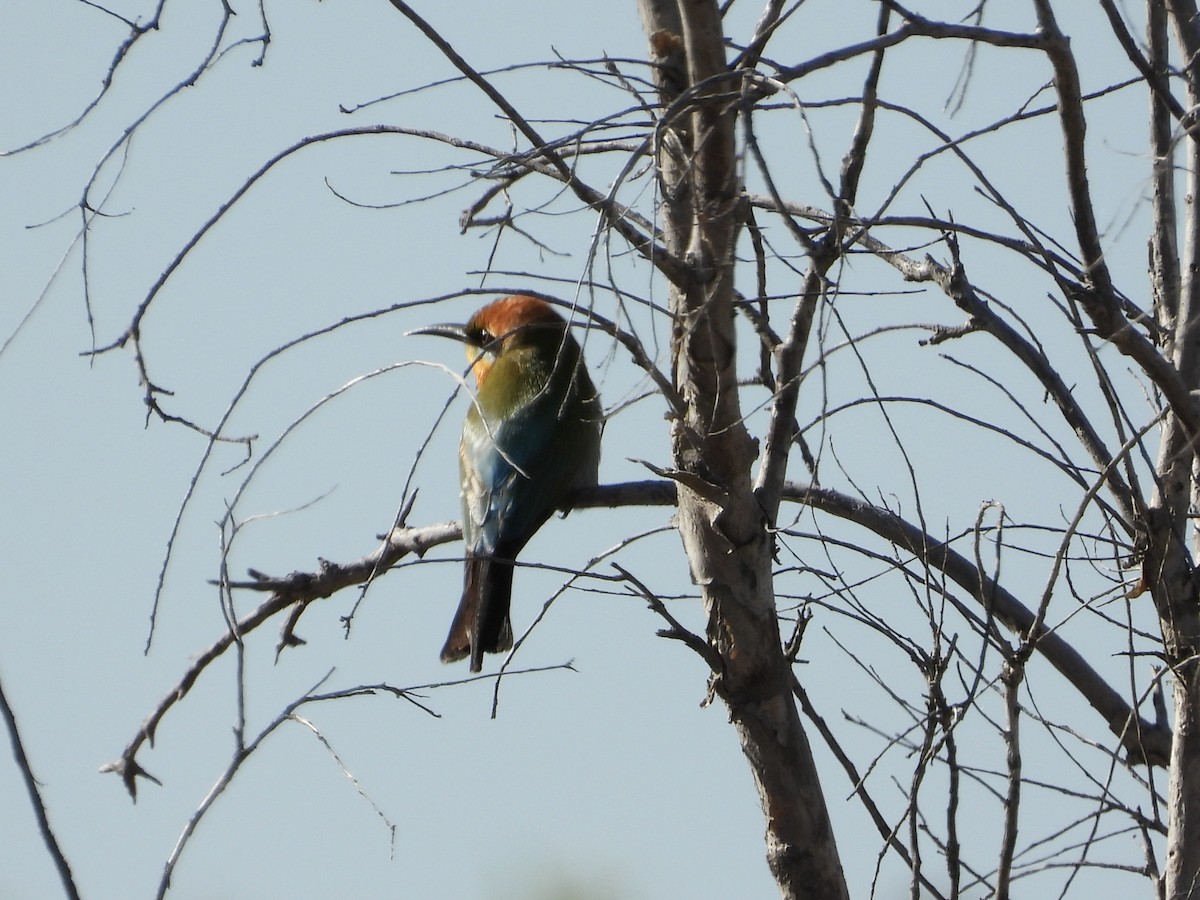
954	282
301	588
1098	297
35	799
914	26
790	355
672	268
1144	741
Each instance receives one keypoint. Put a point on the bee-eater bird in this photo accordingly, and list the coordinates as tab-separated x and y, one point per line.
531	436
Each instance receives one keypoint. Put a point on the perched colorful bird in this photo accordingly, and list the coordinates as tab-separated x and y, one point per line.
531	436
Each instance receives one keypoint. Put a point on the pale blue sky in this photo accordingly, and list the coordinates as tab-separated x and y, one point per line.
612	778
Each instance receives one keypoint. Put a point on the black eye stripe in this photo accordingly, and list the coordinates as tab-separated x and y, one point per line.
480	336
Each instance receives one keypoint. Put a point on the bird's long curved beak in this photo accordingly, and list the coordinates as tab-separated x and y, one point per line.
455	332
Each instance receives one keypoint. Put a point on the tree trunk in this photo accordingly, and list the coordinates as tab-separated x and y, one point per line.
723	527
1169	568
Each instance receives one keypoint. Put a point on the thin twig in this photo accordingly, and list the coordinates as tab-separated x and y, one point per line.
35	799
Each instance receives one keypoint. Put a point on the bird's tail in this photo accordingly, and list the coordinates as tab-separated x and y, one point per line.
481	624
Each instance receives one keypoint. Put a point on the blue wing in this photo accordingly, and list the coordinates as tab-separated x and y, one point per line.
511	479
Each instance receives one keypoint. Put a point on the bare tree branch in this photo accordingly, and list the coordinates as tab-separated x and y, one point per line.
839	303
1145	742
35	799
672	268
